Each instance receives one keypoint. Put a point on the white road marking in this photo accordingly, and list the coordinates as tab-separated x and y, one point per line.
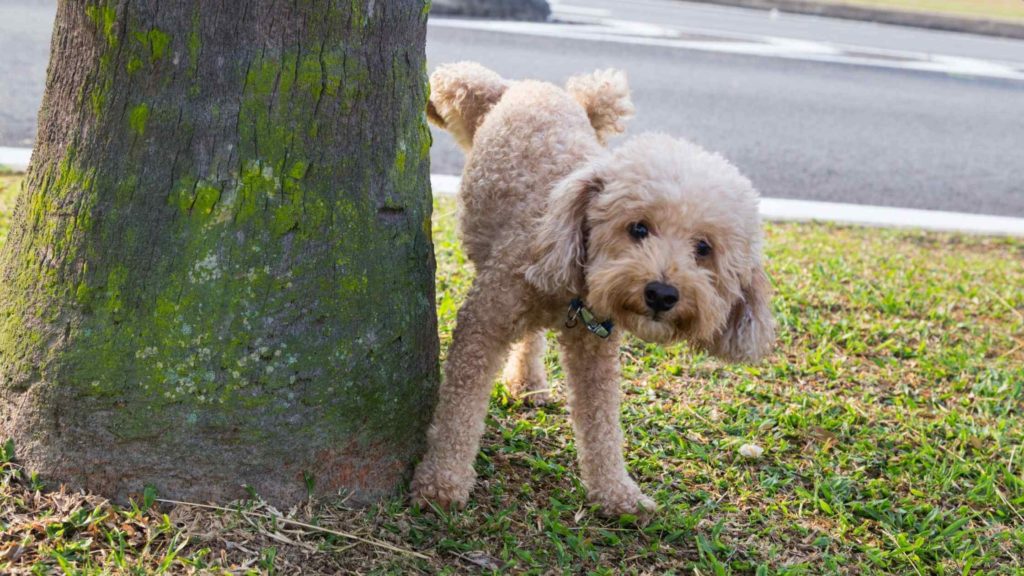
888	217
445	183
786	210
640	33
15	158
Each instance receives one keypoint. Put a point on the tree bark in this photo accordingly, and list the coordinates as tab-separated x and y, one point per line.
220	270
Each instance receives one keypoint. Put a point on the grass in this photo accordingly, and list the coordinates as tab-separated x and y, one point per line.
8	190
891	418
984	9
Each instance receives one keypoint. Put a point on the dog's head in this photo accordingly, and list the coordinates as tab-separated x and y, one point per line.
664	238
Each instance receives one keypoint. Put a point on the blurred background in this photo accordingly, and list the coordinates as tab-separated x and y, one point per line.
873	102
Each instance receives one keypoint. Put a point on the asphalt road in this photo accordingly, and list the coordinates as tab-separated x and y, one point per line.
25	27
799	129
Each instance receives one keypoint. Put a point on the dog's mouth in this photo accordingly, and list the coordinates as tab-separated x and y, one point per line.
681	321
660	327
648	328
694	316
630	312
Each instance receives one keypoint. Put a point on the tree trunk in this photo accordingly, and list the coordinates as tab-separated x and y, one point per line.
220	270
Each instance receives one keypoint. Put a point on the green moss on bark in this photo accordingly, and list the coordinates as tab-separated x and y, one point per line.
194	43
226	279
138	117
103	16
155	42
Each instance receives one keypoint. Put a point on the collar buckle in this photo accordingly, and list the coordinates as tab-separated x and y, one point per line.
578	311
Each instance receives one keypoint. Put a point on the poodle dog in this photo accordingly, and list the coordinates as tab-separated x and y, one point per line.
658	237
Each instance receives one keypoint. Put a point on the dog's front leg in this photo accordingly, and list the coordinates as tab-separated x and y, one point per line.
484	329
592	372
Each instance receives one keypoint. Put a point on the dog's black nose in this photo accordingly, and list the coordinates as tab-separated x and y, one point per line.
660	297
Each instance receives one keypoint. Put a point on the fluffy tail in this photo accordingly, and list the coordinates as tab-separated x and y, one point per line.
461	95
604	94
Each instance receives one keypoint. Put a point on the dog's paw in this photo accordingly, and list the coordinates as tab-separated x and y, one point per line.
527	382
431	487
627	498
532	393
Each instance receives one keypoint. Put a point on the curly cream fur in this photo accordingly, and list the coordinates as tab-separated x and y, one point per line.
604	94
461	95
545	211
524	371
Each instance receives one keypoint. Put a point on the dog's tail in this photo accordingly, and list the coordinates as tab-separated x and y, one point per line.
604	94
461	95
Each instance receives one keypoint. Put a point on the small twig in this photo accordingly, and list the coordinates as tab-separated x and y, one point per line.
1005	501
340	549
1004	303
541	391
1012	351
378	543
282	538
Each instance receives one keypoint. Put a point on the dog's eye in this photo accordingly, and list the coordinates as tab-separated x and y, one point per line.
638	230
703	248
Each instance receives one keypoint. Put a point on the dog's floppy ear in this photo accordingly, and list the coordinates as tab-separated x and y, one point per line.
560	246
749	333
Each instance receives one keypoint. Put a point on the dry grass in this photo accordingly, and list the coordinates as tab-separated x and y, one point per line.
984	9
892	418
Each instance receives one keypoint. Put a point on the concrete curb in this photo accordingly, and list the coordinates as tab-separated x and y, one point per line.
14	159
786	210
944	22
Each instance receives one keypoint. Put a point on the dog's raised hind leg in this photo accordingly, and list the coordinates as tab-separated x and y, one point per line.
479	344
592	375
